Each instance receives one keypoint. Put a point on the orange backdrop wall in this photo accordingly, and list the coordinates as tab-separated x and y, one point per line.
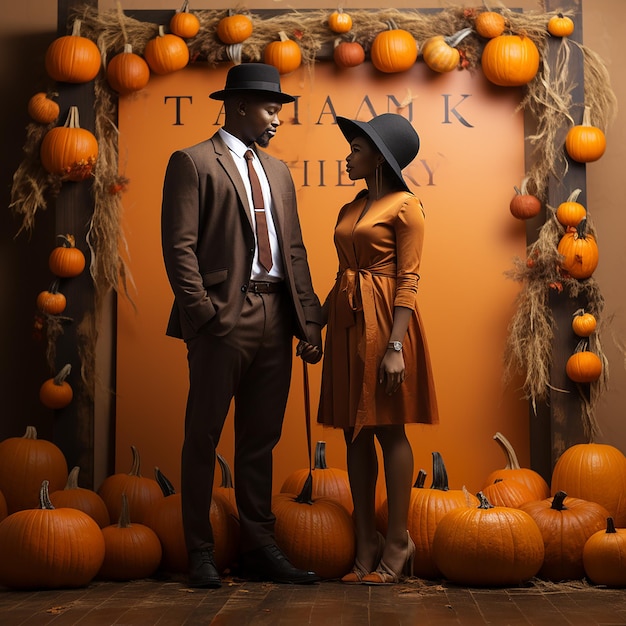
472	155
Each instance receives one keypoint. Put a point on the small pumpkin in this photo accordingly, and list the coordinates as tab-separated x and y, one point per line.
73	58
489	24
393	50
583	366
594	472
487	545
142	492
565	524
560	25
74	497
24	463
604	556
51	301
510	60
127	72
132	551
441	54
524	205
508	492
584	142
56	392
571	212
285	54
339	21
43	109
315	533
48	548
66	260
166	53
579	251
583	324
184	23
234	28
348	53
69	151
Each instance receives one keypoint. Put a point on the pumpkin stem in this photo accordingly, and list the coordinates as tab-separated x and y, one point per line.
185	7
227	477
581	229
558	501
574	195
31	433
511	457
483	503
72	478
44	496
586	116
64	372
161	30
320	455
124	521
440	474
67	241
135	469
76	28
420	480
454	40
166	486
306	494
610	525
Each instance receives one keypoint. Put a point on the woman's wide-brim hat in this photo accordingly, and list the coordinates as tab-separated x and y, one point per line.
392	134
257	77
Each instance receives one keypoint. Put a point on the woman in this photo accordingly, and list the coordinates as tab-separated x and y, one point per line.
376	375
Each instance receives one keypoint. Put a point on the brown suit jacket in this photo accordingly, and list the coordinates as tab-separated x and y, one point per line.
208	240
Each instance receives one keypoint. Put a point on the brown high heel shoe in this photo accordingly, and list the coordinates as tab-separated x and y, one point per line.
384	575
355	577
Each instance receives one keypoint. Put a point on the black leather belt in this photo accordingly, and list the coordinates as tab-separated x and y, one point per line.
256	286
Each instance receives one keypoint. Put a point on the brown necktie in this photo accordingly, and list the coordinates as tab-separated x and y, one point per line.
263	238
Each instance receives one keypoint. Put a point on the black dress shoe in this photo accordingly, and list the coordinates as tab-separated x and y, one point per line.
202	570
270	564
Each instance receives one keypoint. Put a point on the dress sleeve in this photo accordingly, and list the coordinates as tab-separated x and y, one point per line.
409	229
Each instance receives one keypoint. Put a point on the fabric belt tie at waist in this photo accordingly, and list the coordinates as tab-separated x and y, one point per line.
256	286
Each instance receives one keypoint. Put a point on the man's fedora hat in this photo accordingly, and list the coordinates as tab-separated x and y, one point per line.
392	134
257	77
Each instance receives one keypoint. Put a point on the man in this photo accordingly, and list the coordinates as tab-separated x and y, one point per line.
237	265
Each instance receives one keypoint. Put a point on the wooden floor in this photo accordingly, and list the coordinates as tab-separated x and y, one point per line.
330	603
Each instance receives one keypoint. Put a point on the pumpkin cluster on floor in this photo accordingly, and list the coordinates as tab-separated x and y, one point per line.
55	534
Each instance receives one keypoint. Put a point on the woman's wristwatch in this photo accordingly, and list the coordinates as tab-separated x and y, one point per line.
395	345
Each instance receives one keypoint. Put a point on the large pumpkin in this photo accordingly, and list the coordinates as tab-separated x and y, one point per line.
127	72
594	472
48	548
315	533
604	556
24	463
72	58
510	60
487	545
166	53
565	524
393	50
579	251
285	54
69	151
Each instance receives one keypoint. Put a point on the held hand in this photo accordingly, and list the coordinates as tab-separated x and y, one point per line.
391	372
308	352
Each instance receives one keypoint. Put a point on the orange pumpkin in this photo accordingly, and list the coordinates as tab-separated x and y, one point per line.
48	548
56	392
24	463
440	53
524	205
127	72
510	60
489	24
234	28
604	556
508	492
565	524
51	301
570	212
583	366
74	497
285	54
348	53
69	151
183	23
143	493
132	551
66	260
579	251
594	472
393	50
43	109
560	25
584	142
72	58
166	53
339	22
583	324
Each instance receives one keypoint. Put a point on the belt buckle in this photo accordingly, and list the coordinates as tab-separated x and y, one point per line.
259	286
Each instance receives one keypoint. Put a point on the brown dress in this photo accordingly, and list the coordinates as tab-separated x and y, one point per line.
379	258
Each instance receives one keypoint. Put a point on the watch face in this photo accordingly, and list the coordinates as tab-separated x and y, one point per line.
397	346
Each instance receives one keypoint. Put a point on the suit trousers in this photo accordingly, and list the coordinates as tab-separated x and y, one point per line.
251	364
